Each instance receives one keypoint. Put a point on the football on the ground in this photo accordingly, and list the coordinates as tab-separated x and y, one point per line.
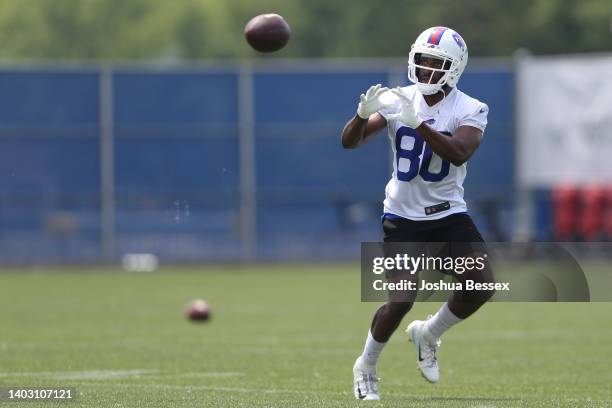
198	310
267	32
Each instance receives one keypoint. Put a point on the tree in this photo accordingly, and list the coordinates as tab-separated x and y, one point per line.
193	29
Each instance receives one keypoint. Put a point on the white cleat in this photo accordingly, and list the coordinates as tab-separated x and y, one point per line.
426	350
366	381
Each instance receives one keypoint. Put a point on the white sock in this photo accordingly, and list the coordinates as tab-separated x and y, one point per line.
372	350
443	320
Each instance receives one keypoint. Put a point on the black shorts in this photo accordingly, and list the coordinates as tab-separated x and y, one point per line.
453	236
454	228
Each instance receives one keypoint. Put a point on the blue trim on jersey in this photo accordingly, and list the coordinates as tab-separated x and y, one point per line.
392	216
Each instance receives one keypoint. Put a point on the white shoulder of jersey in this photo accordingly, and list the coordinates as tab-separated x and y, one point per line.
470	111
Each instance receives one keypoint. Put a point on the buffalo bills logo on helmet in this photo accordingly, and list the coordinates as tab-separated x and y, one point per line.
459	41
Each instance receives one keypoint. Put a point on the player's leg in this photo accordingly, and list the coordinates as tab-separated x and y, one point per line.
386	319
465	240
389	316
426	334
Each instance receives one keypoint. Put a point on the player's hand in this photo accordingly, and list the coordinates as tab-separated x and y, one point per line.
407	113
370	102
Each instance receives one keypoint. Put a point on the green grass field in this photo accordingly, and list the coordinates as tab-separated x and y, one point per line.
281	336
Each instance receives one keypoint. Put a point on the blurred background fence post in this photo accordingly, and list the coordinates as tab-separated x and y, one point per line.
107	172
248	176
524	206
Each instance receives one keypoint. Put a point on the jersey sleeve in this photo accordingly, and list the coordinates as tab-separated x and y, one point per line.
473	113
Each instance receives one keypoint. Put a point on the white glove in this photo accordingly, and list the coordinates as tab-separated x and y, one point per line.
370	102
407	113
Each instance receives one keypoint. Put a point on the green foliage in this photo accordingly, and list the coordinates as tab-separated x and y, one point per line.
194	29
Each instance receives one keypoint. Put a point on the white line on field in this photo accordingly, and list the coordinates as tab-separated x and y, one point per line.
115	374
81	375
218	374
190	388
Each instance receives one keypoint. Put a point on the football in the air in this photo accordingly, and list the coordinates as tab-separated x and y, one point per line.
267	32
198	310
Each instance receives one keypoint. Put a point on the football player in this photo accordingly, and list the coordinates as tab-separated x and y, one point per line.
434	129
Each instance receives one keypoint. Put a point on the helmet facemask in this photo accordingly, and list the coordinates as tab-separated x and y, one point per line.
428	85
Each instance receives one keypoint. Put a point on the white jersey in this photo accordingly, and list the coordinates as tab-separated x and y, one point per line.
423	186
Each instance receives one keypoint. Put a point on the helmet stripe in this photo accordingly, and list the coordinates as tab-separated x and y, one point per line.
436	35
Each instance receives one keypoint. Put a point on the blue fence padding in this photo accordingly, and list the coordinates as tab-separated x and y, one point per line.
491	168
304	176
169	164
495	89
305	159
543	217
49	165
296	239
36	248
305	98
48	98
490	171
177	165
299	118
175	98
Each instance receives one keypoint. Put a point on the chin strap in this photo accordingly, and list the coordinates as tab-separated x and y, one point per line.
443	95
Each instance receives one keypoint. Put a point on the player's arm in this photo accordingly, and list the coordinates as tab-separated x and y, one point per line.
367	122
359	130
457	149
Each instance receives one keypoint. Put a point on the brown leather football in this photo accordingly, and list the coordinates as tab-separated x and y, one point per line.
267	32
198	310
